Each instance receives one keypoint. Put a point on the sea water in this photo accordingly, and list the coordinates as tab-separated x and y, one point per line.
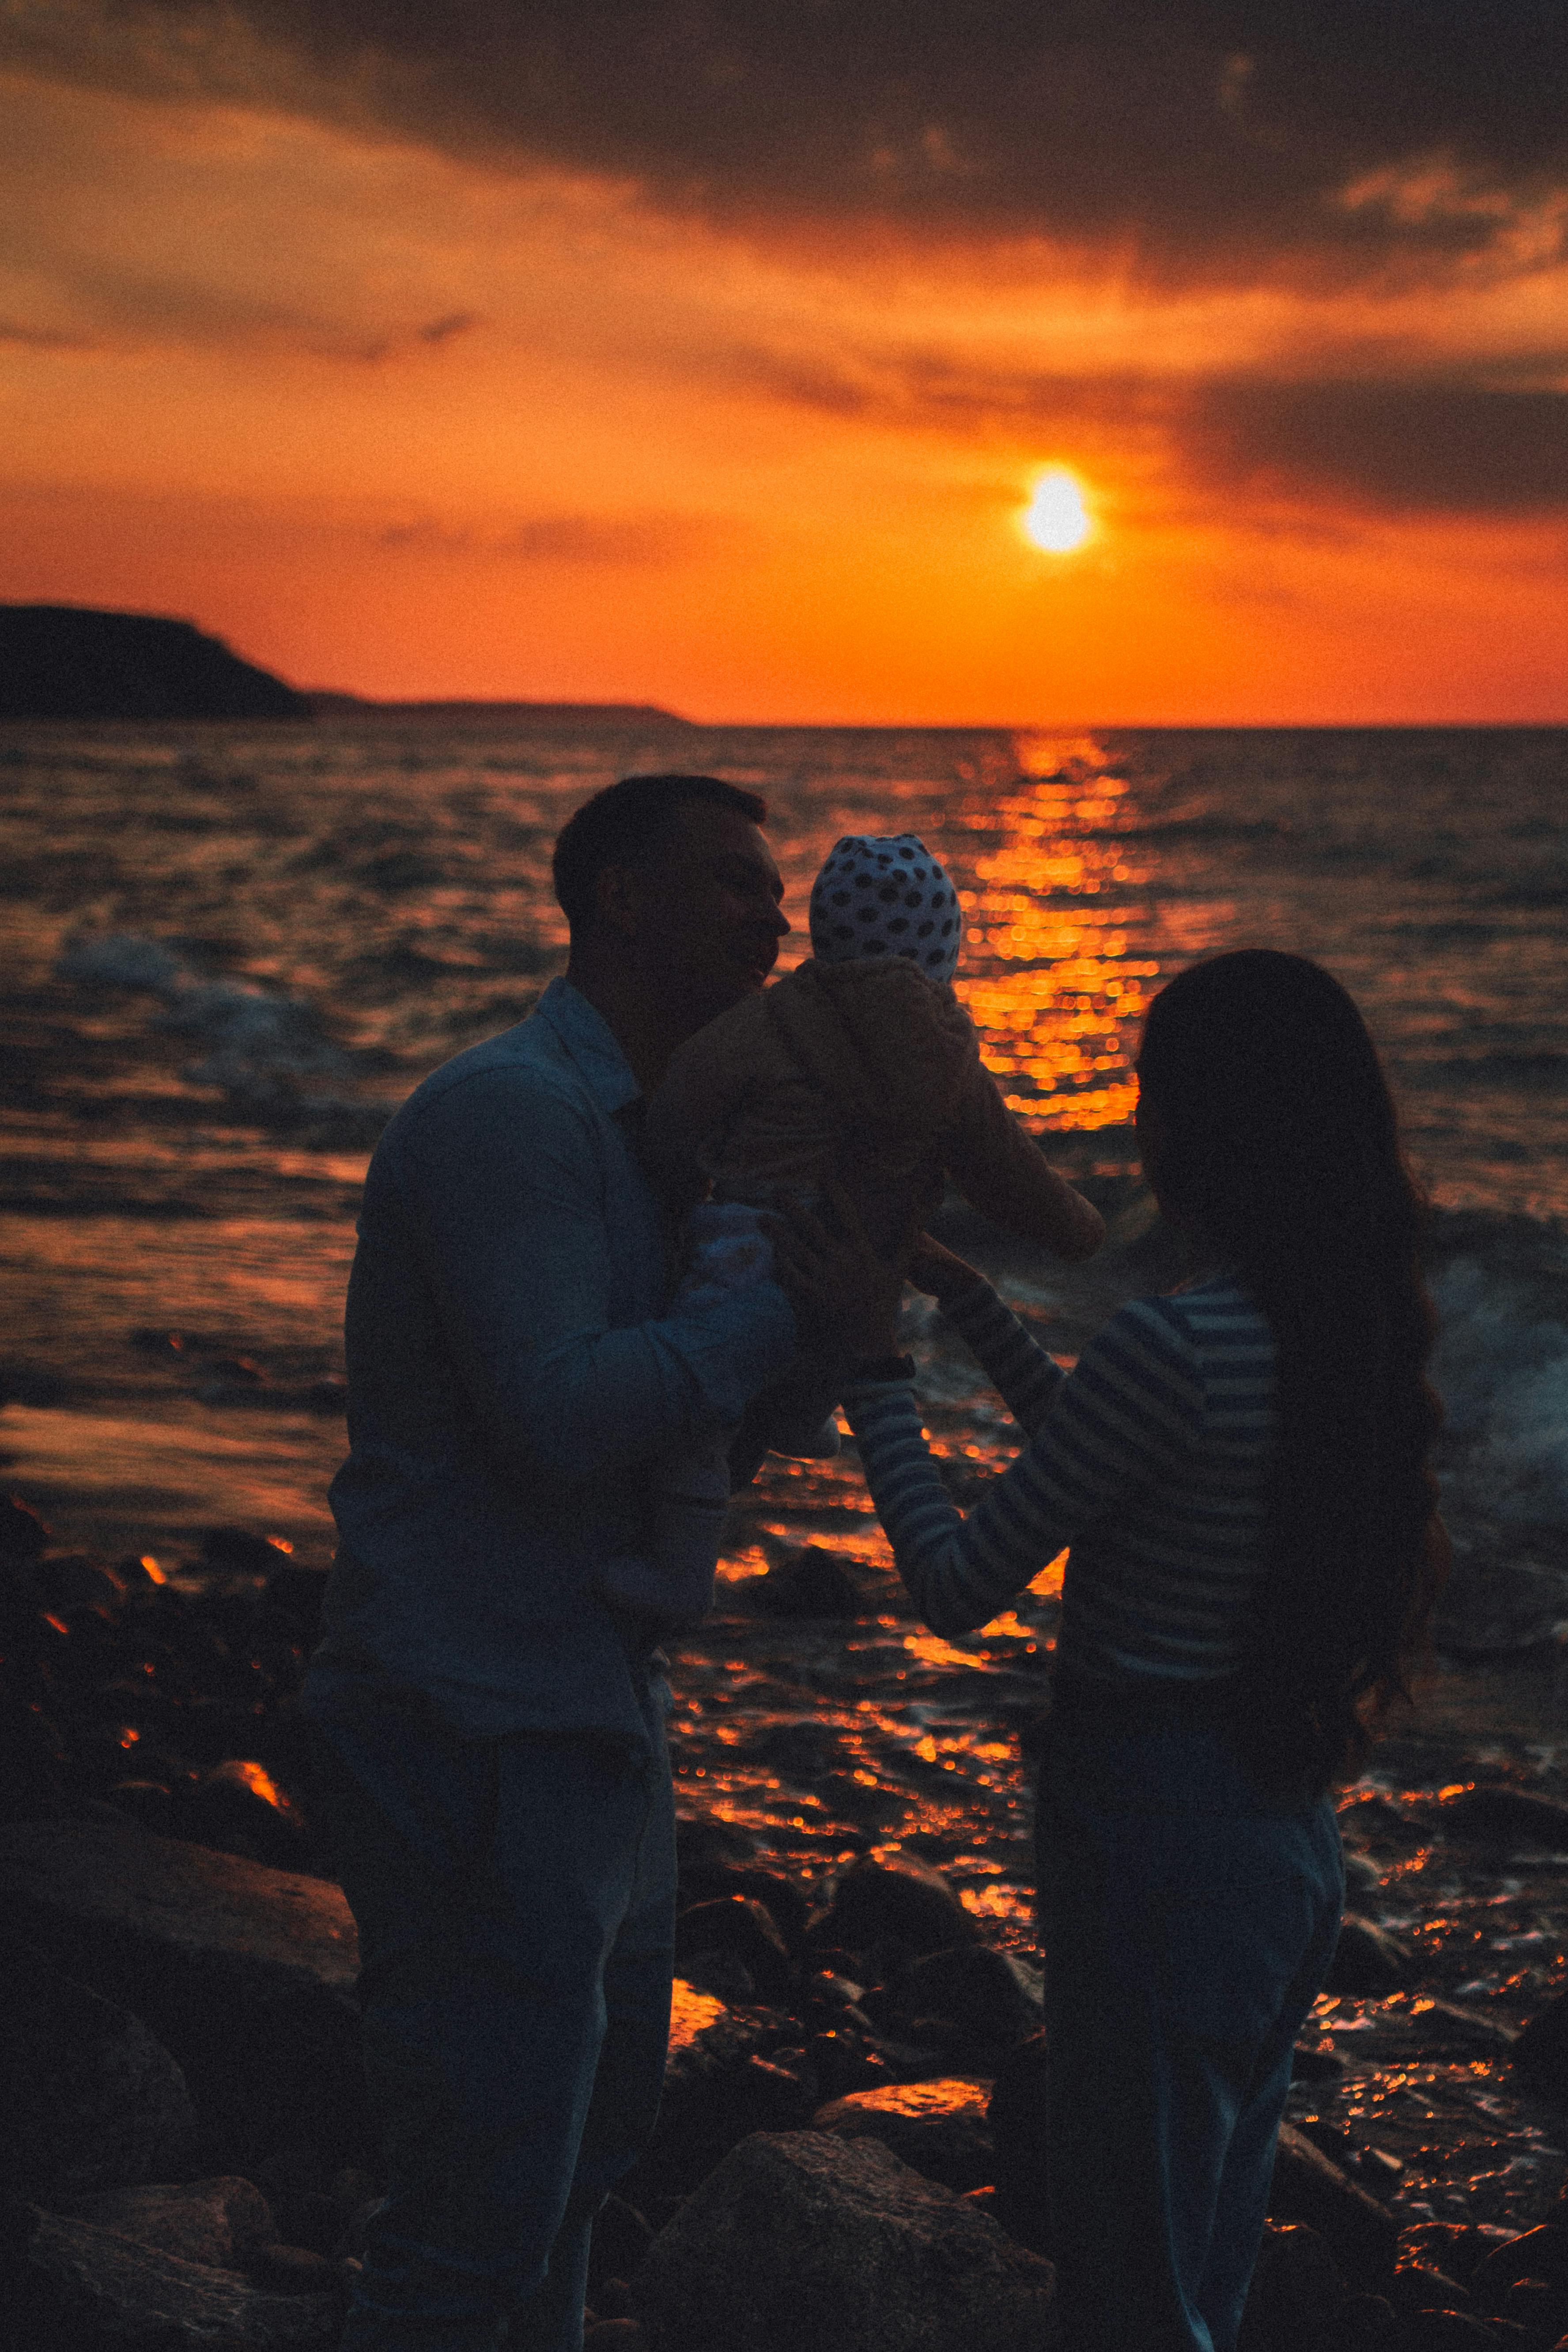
233	949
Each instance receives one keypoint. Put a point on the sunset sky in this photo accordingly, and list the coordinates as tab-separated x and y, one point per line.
710	355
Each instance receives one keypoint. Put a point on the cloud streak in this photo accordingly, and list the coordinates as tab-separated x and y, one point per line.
1218	140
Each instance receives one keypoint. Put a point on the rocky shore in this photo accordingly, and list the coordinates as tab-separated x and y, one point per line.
850	2156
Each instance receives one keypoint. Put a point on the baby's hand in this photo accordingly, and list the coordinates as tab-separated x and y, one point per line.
940	1273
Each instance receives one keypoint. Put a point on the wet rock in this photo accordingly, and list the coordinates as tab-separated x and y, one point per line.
901	1902
812	1582
1316	2062
32	1765
1365	2323
295	2270
1017	2120
1307	2187
1369	1961
982	1992
1298	2290
783	1898
1536	2305
1454	2247
804	2238
23	1535
939	2129
1495	1814
241	1553
224	2222
92	2100
1461	2331
1418	2287
67	2276
1540	2052
711	2094
615	2336
620	2241
239	1807
1538	2253
736	1925
245	1973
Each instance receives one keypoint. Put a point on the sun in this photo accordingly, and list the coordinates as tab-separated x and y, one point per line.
1055	517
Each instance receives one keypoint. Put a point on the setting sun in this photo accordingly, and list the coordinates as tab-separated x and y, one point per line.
1056	518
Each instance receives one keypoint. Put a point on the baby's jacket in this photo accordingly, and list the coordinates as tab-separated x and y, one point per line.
866	1071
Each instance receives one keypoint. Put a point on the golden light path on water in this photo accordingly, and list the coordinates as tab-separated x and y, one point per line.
1050	983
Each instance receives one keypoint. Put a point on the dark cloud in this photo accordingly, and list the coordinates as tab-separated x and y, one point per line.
612	541
1221	139
1413	447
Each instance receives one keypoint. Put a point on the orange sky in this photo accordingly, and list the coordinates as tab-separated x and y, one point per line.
398	401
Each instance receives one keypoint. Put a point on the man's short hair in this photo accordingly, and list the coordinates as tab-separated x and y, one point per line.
626	825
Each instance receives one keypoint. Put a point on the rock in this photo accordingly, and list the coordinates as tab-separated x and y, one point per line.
1540	2052
64	2274
92	2100
33	1764
1496	1814
1417	2288
1017	2120
1539	2253
973	1986
245	1973
1454	2247
1361	2234
223	2223
1538	2306
713	2095
783	1898
23	1535
294	2270
1297	2290
813	1582
1316	2062
1369	1961
803	2238
239	1807
939	2129
738	1926
615	2335
902	1902
620	2241
245	1554
1365	2323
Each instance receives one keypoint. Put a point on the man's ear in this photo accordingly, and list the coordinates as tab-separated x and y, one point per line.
618	900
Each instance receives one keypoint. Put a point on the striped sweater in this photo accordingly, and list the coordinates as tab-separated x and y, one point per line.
1151	1461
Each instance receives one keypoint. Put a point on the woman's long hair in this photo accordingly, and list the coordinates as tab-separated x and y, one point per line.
1275	1142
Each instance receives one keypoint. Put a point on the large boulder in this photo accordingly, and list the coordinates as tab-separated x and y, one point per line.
92	2100
245	1974
937	2128
223	2223
1369	1961
902	1905
78	2281
1307	2187
802	2239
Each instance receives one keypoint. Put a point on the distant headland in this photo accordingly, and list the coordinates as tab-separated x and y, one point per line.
65	661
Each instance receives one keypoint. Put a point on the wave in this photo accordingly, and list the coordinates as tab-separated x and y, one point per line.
262	1047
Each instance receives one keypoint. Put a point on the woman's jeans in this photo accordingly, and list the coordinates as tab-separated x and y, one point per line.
515	1900
1188	1927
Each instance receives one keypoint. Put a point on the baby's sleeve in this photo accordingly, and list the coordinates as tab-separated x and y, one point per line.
704	1089
1002	1172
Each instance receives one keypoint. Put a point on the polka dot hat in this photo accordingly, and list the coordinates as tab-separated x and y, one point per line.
886	895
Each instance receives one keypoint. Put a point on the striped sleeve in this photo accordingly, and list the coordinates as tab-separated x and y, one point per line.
1010	1357
1127	1417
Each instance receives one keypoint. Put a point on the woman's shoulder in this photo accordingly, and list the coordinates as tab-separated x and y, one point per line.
1217	1314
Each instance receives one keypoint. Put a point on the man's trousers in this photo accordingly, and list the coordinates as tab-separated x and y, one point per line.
515	1901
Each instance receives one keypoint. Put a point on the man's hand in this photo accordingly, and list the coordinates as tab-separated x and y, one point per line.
844	1297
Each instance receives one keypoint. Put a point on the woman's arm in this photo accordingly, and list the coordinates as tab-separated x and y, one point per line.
1010	1357
1122	1420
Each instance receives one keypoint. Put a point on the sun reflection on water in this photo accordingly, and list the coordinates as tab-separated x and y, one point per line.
1050	977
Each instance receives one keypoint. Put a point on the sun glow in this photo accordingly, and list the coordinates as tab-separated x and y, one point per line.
1055	517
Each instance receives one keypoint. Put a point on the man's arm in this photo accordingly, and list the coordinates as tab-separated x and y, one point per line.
504	1189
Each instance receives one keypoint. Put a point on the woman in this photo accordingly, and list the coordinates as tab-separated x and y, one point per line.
1243	1473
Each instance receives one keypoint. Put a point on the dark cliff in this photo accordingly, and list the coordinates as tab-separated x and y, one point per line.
60	661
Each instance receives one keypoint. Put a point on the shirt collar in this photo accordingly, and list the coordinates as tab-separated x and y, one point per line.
590	1043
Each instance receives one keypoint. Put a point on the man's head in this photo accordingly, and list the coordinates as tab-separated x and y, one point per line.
667	879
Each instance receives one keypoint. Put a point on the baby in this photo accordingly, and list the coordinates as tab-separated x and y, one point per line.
860	1068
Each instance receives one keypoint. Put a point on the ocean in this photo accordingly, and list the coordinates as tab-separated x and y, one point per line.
232	950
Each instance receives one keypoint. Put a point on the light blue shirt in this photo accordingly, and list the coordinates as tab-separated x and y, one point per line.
515	1370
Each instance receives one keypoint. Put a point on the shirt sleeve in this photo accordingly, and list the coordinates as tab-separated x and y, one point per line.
1122	1420
1025	1377
506	1186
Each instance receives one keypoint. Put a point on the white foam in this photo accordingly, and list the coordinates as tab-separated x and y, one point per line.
1502	1369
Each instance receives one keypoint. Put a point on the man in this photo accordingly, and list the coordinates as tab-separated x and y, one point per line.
492	1734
